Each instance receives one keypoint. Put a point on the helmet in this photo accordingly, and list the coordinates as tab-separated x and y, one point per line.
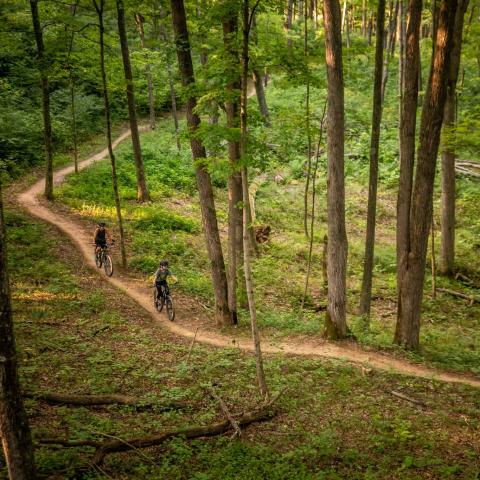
164	263
101	224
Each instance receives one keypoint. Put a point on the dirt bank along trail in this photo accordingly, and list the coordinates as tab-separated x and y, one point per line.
31	202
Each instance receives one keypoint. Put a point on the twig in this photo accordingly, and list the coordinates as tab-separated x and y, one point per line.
236	429
408	399
470	298
191	346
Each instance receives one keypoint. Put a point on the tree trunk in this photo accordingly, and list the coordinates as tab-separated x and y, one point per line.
409	102
257	79
366	294
74	121
204	183
307	127
335	322
392	28
230	29
370	29
99	7
287	25
364	19
47	124
173	98
247	264
142	190
151	100
14	429
412	261
447	249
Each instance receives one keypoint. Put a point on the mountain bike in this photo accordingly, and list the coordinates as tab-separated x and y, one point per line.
162	297
102	257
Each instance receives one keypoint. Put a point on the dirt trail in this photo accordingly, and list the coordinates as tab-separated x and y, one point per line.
30	200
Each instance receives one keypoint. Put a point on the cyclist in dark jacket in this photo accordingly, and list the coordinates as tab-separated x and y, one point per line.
161	276
101	236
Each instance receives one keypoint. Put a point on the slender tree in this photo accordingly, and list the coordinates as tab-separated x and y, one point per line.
366	293
287	24
335	322
99	6
258	81
204	183
392	30
14	429
412	272
448	155
47	123
230	29
139	21
247	18
173	96
142	190
407	141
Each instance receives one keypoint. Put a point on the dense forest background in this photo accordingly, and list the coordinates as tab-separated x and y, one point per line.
308	175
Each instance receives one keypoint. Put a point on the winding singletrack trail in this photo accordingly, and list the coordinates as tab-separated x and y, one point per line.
320	348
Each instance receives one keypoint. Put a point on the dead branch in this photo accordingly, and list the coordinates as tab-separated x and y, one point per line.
226	412
471	299
113	446
466	172
94	400
191	345
408	399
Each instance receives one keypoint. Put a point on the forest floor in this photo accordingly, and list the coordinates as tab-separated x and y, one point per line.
78	333
190	318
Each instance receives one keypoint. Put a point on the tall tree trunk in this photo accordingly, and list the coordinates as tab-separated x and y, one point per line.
335	322
364	18
74	121
307	126
230	29
47	124
99	7
287	24
392	29
408	106
447	251
139	20
370	30
247	264
412	273
173	97
257	79
14	429
366	294
142	190
204	183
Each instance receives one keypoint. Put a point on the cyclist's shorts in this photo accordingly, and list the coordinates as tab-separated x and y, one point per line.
101	243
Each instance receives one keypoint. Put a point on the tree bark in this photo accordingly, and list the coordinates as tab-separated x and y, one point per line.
335	322
230	29
412	261
204	183
407	142
447	248
14	428
99	7
287	25
247	247
392	28
258	82
173	98
366	294
142	190
47	123
151	99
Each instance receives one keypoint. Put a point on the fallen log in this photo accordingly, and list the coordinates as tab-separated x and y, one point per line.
112	399
408	399
454	293
236	429
120	445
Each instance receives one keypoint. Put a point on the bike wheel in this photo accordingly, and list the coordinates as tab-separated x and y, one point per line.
170	309
108	265
160	302
98	259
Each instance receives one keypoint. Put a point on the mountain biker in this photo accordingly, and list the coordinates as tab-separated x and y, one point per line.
101	236
161	276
